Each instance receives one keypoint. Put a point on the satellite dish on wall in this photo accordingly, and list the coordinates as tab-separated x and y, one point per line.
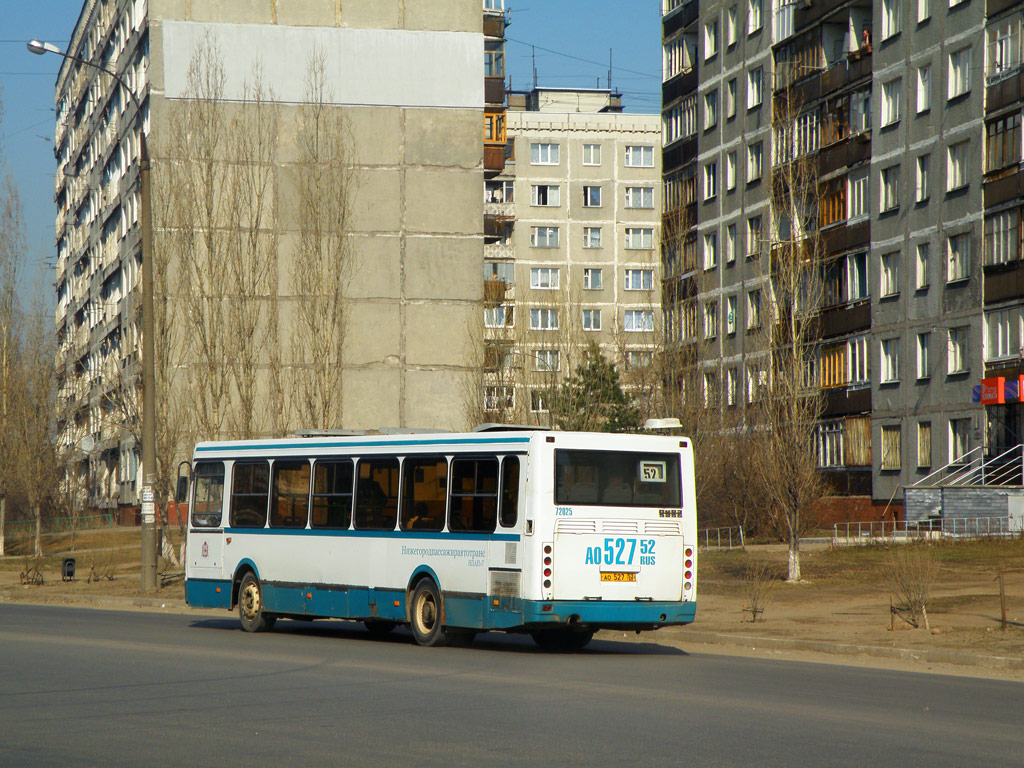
87	443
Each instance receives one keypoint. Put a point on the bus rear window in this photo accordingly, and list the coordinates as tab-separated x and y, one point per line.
617	479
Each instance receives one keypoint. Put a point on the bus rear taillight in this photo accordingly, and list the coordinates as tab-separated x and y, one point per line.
688	565
547	570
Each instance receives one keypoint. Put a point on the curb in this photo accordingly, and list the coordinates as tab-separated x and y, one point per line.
931	655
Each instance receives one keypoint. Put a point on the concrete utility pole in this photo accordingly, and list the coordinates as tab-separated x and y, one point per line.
149	553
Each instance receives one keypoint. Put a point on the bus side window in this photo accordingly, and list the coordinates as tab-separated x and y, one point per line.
250	492
332	494
290	506
509	491
474	494
424	492
377	494
209	500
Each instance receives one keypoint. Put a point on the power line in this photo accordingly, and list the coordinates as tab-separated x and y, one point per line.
578	58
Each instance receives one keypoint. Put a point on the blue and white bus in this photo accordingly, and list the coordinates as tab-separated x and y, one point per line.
557	534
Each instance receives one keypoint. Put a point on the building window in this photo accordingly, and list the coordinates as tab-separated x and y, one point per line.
755	87
890	274
754	155
591	154
498	317
860	111
544	278
924	444
958	264
730	243
956	171
730	99
639	279
503	271
499	398
924	89
710	391
639	238
546	195
891	447
591	319
891	93
959	438
710	39
546	360
543	237
639	197
755	15
959	73
890	188
923	366
591	237
591	196
538	401
998	334
921	280
858	369
890	360
710	250
890	18
829	443
921	179
857	197
956	353
500	191
730	315
592	278
638	320
923	10
639	156
731	386
710	110
542	319
753	236
543	154
710	180
710	319
1003	39
753	309
1002	142
1002	237
730	170
730	26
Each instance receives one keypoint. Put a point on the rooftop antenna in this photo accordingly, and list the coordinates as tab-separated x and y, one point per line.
533	56
609	69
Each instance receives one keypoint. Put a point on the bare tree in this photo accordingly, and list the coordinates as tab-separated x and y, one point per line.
322	267
788	404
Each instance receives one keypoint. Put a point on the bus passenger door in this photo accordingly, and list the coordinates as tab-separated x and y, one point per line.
204	551
505	550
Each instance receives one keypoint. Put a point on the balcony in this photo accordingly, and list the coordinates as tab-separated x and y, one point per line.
840	401
1003	91
496	227
678	86
809	11
1003	281
845	319
1003	188
839	239
494	90
494	291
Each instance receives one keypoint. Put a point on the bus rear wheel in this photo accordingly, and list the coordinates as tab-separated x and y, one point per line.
250	606
425	615
562	640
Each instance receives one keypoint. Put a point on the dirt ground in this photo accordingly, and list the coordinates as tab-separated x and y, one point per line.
844	597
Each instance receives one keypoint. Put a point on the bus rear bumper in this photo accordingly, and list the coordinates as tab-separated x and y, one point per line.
607	613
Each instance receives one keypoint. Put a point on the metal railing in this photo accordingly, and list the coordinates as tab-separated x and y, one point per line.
59	524
972	469
887	531
721	538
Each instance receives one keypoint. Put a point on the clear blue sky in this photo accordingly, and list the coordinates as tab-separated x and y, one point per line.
571	38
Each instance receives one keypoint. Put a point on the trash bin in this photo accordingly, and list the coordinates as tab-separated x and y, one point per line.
67	569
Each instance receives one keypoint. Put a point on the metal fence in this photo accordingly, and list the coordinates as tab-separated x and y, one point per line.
59	524
720	538
932	528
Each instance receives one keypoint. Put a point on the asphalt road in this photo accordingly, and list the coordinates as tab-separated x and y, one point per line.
81	687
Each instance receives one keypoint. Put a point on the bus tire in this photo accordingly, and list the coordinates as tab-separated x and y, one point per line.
250	605
562	640
425	615
379	627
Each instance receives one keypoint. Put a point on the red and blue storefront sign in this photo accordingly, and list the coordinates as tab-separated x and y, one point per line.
998	390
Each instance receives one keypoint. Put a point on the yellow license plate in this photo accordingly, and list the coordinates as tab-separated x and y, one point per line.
617	576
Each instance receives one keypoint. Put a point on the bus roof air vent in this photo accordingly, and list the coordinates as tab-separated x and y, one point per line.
494	427
329	432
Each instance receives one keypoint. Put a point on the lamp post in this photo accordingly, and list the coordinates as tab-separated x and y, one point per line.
149	553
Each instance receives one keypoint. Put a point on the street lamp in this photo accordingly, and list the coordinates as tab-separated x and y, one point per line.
149	553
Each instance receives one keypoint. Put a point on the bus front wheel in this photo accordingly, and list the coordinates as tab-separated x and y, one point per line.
250	606
425	617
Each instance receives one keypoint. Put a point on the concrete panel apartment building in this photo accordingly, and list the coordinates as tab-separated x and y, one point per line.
910	113
317	118
571	254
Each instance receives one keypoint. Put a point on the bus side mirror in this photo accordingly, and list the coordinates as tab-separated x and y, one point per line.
181	492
